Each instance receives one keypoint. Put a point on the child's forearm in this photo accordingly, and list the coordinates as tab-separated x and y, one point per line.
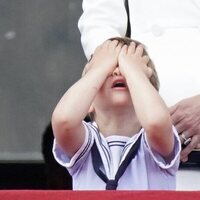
71	110
75	103
146	98
151	111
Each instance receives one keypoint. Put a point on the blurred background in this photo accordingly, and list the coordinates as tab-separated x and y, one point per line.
40	57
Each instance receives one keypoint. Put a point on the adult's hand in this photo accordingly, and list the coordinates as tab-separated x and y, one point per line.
186	118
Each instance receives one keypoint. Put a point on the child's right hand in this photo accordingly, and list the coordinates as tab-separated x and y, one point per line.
106	56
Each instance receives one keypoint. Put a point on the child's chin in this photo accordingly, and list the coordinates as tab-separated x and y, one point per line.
122	101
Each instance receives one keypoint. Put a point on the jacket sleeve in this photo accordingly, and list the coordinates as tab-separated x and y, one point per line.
101	20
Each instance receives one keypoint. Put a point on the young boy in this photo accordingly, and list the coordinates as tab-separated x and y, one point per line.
130	143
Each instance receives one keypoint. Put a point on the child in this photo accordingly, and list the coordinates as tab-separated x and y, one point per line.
130	143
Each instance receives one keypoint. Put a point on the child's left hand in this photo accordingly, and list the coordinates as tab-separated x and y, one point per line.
132	56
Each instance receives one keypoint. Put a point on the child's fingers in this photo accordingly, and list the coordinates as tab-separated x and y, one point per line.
124	50
113	43
104	46
131	48
119	46
149	72
99	48
146	59
139	50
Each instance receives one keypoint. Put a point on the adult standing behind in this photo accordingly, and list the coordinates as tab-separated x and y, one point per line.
171	32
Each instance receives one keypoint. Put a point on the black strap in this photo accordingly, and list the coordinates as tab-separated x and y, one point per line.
97	163
128	30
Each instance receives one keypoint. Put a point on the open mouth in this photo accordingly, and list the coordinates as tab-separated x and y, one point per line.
119	85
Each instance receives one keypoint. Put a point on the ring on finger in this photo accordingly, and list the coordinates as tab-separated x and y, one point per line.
182	136
187	141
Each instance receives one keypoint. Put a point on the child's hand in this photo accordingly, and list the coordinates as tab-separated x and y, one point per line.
106	56
132	57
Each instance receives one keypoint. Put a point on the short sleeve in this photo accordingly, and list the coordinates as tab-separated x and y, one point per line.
72	164
159	160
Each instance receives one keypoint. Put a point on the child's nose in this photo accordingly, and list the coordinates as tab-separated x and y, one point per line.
116	72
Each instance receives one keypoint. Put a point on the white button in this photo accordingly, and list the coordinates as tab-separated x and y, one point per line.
157	30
